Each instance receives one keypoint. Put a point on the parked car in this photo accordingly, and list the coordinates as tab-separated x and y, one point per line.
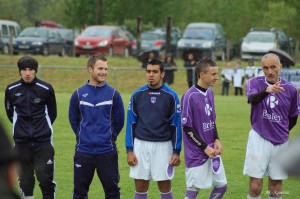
110	40
68	36
39	40
155	40
207	39
259	41
8	29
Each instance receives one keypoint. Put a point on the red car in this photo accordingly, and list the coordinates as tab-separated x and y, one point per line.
110	40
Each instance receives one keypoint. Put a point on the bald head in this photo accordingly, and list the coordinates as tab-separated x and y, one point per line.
271	56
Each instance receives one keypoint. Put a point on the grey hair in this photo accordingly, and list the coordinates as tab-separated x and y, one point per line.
266	56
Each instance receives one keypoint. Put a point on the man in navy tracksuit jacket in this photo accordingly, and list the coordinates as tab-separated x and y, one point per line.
31	107
96	115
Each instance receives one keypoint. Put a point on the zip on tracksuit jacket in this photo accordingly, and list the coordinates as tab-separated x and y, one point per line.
31	107
154	115
96	115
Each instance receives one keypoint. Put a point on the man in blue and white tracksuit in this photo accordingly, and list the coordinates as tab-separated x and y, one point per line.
153	133
96	114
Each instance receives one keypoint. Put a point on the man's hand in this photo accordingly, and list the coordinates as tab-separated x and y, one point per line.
175	160
131	159
218	147
210	151
275	88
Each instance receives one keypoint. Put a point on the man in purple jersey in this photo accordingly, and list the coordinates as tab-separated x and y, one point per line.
274	112
201	141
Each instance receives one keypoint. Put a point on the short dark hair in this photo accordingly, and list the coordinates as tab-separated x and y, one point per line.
203	65
27	62
94	58
157	62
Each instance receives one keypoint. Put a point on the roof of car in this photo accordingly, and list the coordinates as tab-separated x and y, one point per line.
200	25
265	29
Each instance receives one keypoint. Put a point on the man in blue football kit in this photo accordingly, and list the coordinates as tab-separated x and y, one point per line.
153	133
96	115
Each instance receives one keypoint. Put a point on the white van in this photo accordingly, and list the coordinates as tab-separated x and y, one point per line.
7	29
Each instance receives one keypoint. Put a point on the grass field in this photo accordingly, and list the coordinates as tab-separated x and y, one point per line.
232	121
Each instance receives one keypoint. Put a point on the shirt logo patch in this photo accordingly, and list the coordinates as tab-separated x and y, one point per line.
208	109
184	120
18	94
37	100
153	100
84	95
272	101
178	108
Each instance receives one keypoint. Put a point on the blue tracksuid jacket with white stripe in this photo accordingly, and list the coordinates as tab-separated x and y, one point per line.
96	115
154	115
31	107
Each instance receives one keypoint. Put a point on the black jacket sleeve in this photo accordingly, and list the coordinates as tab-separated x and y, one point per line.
292	122
51	105
8	107
258	97
194	136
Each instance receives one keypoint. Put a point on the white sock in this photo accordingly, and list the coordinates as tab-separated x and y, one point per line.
250	197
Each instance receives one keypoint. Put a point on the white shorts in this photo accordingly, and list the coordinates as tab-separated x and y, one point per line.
153	158
261	158
203	176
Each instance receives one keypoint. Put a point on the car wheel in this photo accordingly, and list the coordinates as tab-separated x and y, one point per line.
5	50
63	52
110	51
45	51
126	52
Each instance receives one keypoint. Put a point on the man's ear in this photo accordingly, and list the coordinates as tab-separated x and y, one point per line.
162	74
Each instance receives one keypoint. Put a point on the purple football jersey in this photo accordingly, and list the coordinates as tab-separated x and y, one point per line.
270	117
198	112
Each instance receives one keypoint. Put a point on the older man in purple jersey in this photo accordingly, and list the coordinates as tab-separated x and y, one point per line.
204	167
274	112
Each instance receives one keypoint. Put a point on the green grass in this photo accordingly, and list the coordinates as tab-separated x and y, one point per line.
233	126
232	121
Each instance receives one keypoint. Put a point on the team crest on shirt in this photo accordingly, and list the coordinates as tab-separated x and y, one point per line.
37	100
272	101
153	100
208	109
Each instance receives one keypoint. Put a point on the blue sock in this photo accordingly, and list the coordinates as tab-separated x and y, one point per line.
167	195
218	192
191	194
141	195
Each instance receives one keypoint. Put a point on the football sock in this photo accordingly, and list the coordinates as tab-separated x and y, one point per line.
190	194
271	197
141	195
250	197
218	192
167	195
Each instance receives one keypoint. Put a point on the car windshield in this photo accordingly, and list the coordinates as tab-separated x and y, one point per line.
264	37
34	32
97	32
150	36
198	33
